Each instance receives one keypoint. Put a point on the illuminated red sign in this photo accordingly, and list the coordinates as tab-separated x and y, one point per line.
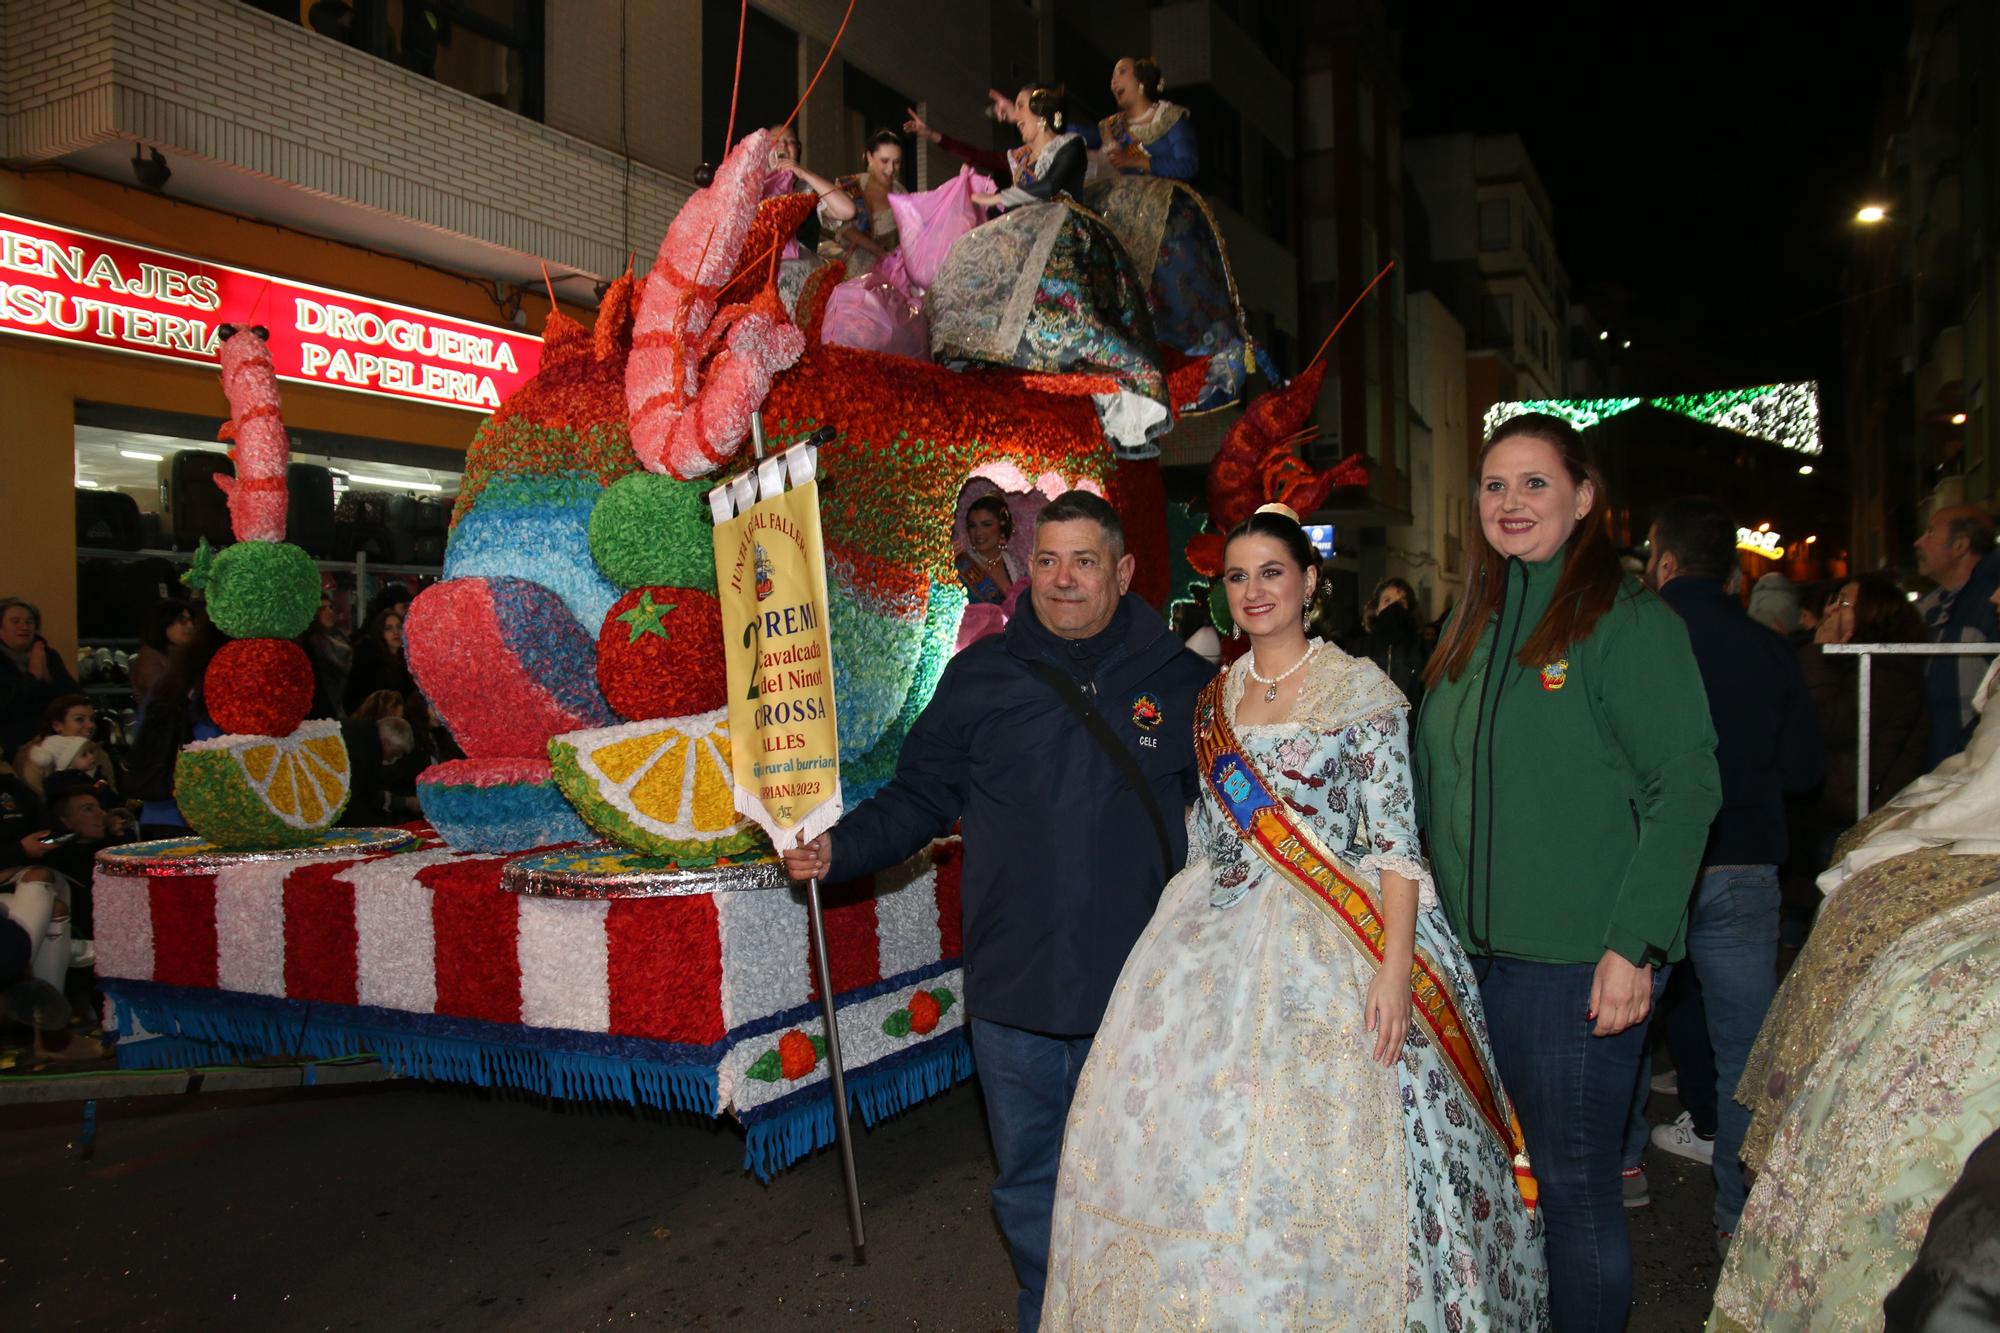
76	287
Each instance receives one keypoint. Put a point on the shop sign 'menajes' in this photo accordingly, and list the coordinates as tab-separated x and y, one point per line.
76	287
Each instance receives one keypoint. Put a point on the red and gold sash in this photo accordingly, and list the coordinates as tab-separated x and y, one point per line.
1262	819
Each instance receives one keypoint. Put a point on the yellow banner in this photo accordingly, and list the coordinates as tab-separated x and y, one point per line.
770	569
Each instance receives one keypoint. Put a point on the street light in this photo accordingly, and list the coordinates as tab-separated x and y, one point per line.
1870	214
1958	418
1805	469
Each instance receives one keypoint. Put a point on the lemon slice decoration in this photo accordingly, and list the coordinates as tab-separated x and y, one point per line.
660	786
264	791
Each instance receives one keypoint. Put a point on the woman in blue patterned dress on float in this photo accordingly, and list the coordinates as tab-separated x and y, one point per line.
1046	286
1148	135
1143	158
1289	1118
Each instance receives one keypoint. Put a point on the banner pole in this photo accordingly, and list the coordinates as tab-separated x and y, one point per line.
837	1072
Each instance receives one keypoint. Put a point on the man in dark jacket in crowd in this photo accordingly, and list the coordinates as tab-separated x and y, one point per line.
1064	856
1956	553
1767	744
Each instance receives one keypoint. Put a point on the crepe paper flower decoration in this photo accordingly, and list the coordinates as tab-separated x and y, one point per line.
535	528
922	1013
795	1056
696	373
874	658
861	776
777	221
1138	492
569	419
497	805
259	687
257	590
659	654
257	498
908	434
660	786
649	531
504	664
252	792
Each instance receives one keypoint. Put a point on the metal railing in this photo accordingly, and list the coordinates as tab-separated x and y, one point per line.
1868	652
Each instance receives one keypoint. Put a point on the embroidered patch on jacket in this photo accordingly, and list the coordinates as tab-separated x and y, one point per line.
1145	712
1556	674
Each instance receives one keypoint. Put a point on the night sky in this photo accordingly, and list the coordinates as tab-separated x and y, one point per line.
1709	163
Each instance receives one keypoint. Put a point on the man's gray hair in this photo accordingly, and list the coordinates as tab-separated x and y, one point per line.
1071	506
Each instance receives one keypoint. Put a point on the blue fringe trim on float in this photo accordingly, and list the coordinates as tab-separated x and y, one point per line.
781	1132
205	1027
208	1027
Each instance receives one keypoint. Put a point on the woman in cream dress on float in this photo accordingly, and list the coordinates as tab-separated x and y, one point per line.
1268	1134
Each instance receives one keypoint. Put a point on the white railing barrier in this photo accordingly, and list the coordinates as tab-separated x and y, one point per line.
1868	652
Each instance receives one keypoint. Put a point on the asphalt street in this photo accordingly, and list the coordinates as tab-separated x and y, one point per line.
403	1205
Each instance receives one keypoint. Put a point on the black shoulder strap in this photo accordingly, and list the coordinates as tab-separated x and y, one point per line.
1107	739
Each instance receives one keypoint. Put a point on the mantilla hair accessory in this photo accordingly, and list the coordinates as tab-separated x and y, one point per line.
1286	510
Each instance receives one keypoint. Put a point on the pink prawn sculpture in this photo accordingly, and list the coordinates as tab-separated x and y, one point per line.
261	450
696	373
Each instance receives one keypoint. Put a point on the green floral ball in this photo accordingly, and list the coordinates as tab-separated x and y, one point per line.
261	590
649	531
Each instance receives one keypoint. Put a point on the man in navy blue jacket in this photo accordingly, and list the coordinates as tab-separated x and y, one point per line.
1064	861
1767	744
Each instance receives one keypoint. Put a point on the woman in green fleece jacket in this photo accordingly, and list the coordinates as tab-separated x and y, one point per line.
1566	779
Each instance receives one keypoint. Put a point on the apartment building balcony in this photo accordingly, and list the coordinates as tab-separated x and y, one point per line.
265	117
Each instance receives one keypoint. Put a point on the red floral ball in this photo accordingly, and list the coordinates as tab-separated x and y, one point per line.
797	1056
259	687
659	654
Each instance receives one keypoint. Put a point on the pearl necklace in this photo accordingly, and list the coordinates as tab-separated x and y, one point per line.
1272	682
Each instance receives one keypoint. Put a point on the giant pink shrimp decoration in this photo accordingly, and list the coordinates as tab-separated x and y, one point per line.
257	491
695	374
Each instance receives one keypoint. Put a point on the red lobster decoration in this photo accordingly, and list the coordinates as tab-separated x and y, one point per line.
696	372
1257	466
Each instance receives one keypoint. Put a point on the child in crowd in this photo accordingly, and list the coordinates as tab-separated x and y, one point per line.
64	744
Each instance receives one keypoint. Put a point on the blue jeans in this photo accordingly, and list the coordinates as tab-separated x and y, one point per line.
1028	1079
1733	946
1573	1092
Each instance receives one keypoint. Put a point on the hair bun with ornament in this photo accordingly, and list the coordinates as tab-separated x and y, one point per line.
1284	509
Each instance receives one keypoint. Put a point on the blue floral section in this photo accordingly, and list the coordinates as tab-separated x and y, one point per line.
536	528
507	817
862	777
874	656
556	652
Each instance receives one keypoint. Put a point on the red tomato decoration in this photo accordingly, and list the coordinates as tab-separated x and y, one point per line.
259	687
797	1056
924	1012
659	654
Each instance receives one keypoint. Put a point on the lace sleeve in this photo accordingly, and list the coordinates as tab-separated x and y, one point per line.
1377	751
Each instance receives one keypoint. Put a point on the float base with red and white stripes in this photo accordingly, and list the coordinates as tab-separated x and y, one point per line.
541	971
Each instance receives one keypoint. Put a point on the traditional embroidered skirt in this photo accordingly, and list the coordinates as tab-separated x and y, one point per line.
1047	288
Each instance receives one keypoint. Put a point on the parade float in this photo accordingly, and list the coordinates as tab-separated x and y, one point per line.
585	911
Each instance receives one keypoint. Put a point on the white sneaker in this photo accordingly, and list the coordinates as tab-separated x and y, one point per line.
1680	1139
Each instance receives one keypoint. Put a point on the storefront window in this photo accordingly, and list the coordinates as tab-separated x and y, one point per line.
491	49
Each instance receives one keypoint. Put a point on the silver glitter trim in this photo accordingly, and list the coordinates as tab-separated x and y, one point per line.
612	872
198	856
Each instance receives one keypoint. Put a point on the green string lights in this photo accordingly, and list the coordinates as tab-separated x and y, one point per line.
1787	415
